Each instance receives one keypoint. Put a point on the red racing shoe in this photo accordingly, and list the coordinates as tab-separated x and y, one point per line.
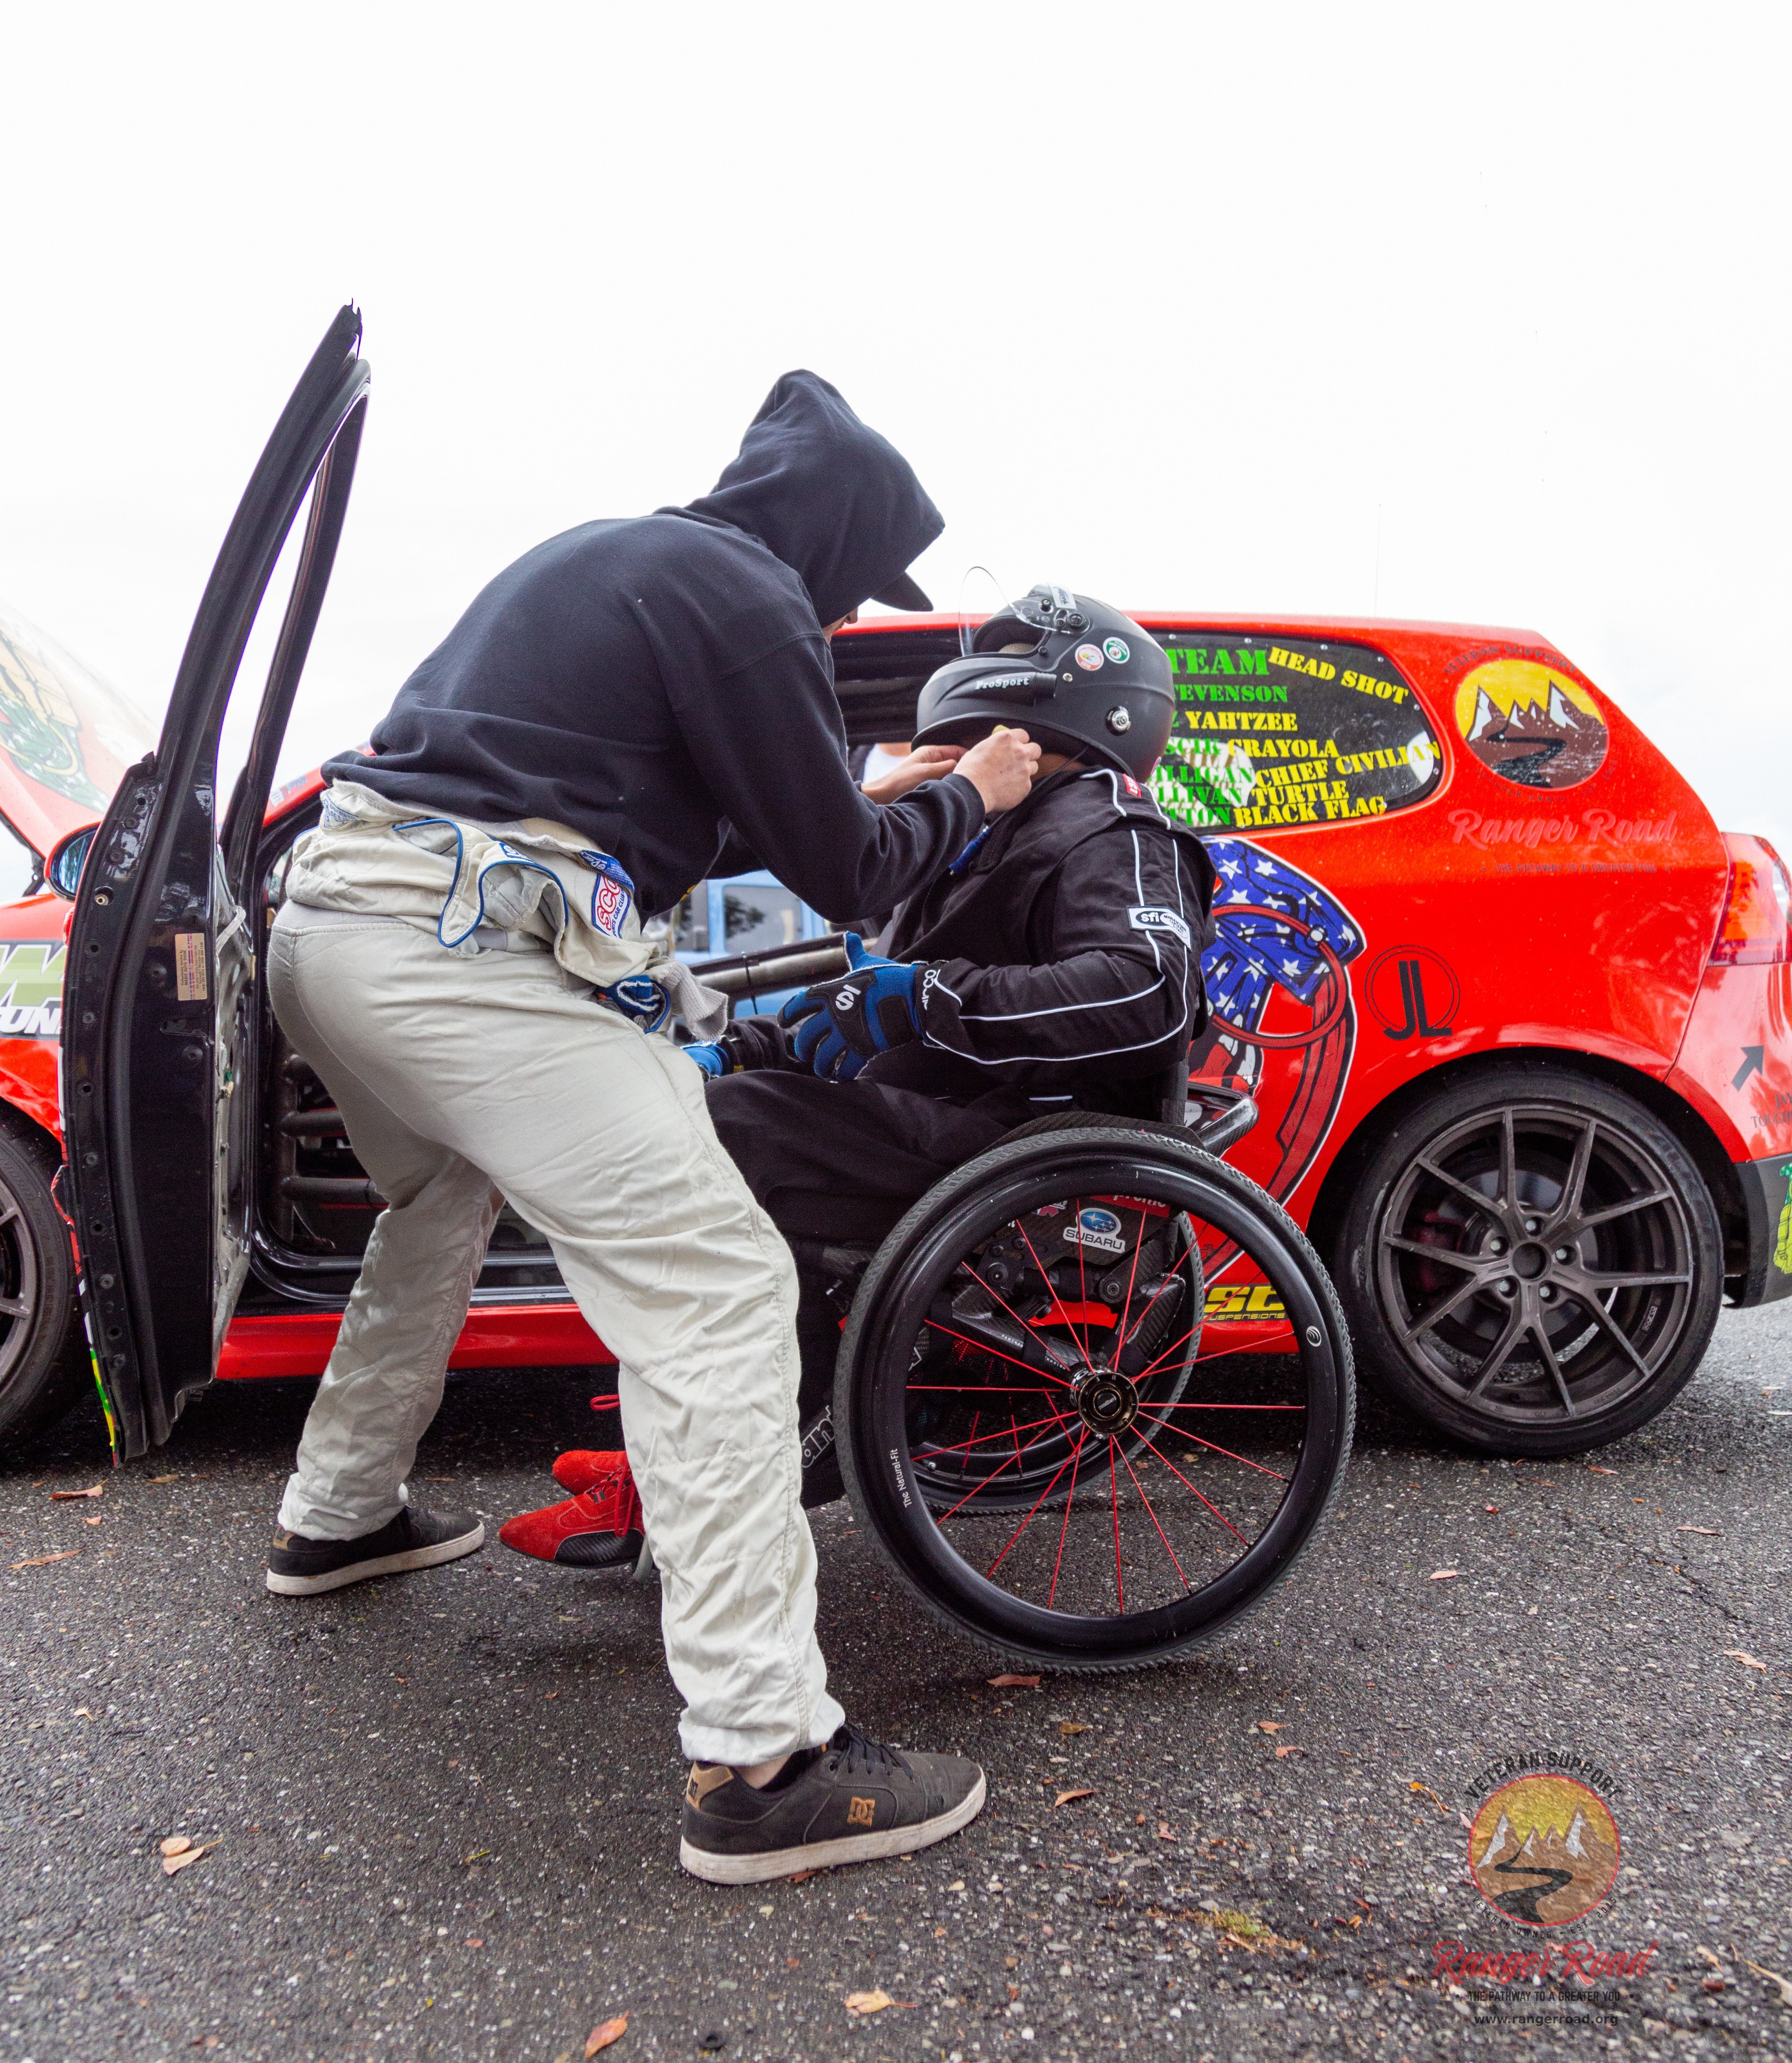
585	1468
598	1528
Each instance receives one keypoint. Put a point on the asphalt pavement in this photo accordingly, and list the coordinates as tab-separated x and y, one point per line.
439	1813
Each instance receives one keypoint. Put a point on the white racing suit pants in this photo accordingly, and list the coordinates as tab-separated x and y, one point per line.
465	1081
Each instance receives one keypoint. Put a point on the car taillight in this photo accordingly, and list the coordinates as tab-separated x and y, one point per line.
1756	928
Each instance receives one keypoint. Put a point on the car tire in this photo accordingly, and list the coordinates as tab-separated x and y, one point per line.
1531	1261
44	1365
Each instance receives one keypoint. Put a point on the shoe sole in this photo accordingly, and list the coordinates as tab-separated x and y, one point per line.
830	1854
382	1565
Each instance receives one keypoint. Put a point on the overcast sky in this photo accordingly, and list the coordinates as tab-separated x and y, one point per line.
1475	313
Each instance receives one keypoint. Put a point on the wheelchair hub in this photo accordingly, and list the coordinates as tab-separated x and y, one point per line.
1107	1402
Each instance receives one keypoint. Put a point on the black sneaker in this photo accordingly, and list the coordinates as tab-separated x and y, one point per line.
300	1567
849	1802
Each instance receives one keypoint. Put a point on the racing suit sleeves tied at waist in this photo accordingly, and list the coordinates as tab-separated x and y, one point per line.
471	883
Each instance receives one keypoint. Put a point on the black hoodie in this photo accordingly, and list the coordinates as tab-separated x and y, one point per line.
655	680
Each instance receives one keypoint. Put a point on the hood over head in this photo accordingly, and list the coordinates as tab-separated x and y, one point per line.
837	503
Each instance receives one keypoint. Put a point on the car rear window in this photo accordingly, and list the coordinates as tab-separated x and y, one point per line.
1277	731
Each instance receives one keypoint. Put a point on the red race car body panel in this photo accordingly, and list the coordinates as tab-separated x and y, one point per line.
1551	885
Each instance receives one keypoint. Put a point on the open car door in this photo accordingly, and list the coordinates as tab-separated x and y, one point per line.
160	1001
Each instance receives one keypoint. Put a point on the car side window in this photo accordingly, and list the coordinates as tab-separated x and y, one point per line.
1271	732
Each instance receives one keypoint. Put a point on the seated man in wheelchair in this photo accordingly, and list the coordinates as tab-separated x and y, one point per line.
1054	966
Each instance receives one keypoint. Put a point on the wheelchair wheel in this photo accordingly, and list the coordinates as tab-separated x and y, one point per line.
1094	1395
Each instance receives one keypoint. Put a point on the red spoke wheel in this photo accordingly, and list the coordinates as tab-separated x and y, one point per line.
1055	1443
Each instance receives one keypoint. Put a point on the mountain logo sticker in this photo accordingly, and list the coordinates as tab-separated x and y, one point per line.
1543	1850
1531	724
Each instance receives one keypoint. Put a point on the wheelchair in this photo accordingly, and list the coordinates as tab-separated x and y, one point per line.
1063	1454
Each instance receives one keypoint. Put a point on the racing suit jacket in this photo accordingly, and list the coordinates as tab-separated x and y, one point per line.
1062	953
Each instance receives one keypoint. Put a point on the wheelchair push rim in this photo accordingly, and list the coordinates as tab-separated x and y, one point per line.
1150	1518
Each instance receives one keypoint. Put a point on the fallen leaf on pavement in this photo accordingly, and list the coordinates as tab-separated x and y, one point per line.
1163	1834
81	1712
1140	1820
99	1489
801	1876
1290	1749
1713	1984
176	1844
1443	1575
94	1521
1748	1661
1013	1683
867	2002
1268	1726
547	1695
1493	1507
1069	1797
474	1941
1596	1470
1433	1796
1072	1727
44	1561
1710	1531
601	2038
176	1477
1772	1978
170	1863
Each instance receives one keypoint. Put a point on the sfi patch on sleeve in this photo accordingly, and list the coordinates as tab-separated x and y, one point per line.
1153	917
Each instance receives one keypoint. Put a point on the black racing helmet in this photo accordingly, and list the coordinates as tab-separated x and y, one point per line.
1085	680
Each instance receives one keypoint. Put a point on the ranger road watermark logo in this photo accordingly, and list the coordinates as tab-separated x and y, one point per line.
1543	1850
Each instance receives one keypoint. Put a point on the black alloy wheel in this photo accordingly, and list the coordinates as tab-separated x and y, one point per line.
1532	1262
44	1366
1062	1457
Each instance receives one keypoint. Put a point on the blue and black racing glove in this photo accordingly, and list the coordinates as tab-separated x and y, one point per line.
749	1045
842	1023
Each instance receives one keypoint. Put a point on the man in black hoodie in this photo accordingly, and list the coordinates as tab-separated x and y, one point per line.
633	705
658	680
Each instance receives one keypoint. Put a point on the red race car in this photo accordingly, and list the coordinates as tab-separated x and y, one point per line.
1511	1008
